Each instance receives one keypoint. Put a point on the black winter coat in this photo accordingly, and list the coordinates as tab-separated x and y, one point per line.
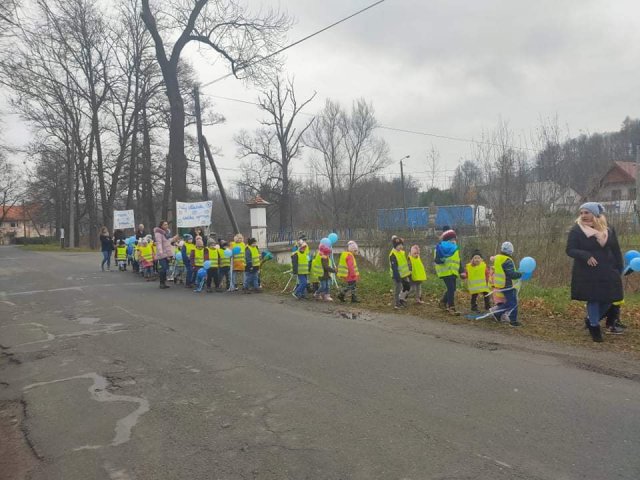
603	282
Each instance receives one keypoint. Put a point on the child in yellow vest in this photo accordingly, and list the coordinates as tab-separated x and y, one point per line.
476	274
400	272
418	273
348	272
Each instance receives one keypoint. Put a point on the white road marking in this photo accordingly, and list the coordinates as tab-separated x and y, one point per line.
497	462
66	289
100	393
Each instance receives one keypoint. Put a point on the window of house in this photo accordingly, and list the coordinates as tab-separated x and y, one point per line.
14	224
616	194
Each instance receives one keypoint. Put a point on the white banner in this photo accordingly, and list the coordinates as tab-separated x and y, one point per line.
195	214
123	219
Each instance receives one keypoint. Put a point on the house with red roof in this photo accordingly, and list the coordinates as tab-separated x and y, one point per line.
617	187
19	221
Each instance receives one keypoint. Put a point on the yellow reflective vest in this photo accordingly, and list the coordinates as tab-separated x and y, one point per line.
214	257
198	257
303	262
403	264
255	256
121	253
451	265
316	268
499	277
146	252
477	278
418	273
343	268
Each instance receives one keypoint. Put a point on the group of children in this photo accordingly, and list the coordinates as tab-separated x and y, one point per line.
221	265
497	281
225	265
315	274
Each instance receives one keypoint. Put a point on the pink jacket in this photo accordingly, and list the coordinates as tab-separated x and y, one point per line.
163	244
351	268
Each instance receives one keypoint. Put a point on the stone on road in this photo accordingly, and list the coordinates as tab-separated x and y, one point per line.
109	377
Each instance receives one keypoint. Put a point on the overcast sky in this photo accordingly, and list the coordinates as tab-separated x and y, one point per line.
449	67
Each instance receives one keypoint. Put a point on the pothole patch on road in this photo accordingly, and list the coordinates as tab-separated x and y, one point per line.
354	315
490	346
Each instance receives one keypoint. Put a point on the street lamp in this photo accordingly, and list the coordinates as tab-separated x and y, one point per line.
404	197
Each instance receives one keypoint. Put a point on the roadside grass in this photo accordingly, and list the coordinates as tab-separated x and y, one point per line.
546	312
54	247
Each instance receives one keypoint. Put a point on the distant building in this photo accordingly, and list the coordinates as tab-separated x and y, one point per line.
18	221
552	196
617	188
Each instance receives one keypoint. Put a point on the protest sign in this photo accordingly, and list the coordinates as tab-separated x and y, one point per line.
123	219
194	214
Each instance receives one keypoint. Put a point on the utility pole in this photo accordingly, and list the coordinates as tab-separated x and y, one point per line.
225	201
404	196
203	165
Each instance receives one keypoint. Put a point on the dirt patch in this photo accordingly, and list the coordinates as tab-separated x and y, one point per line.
16	456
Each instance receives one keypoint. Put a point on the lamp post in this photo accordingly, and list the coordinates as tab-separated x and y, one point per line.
404	197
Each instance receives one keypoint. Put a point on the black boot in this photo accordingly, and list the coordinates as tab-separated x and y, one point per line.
163	280
341	296
354	298
596	333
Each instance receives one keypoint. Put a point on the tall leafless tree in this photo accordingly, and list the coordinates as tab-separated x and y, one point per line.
276	144
242	38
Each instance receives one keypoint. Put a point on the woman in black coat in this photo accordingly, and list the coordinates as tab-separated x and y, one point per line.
597	266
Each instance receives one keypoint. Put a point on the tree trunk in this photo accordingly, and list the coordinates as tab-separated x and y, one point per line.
177	158
147	189
133	169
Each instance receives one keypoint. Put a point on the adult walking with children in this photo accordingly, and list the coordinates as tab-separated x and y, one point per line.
597	266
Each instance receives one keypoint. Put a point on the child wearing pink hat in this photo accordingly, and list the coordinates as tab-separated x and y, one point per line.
327	270
348	272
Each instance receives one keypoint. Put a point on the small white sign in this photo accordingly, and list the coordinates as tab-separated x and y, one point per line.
194	214
62	233
123	219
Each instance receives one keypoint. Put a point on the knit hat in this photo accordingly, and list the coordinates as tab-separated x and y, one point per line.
199	242
324	250
188	237
252	241
507	247
352	246
448	235
395	241
476	252
594	207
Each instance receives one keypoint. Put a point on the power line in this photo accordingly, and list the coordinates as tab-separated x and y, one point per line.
394	129
243	67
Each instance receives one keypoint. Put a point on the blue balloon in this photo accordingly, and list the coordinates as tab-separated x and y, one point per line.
635	264
207	264
236	250
325	241
132	239
333	238
178	257
527	265
228	253
630	255
526	276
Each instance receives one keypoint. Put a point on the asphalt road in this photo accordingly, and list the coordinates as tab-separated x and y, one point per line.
120	380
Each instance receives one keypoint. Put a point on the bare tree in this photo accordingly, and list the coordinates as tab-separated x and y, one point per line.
366	154
230	29
433	162
466	180
276	144
10	186
349	153
326	136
